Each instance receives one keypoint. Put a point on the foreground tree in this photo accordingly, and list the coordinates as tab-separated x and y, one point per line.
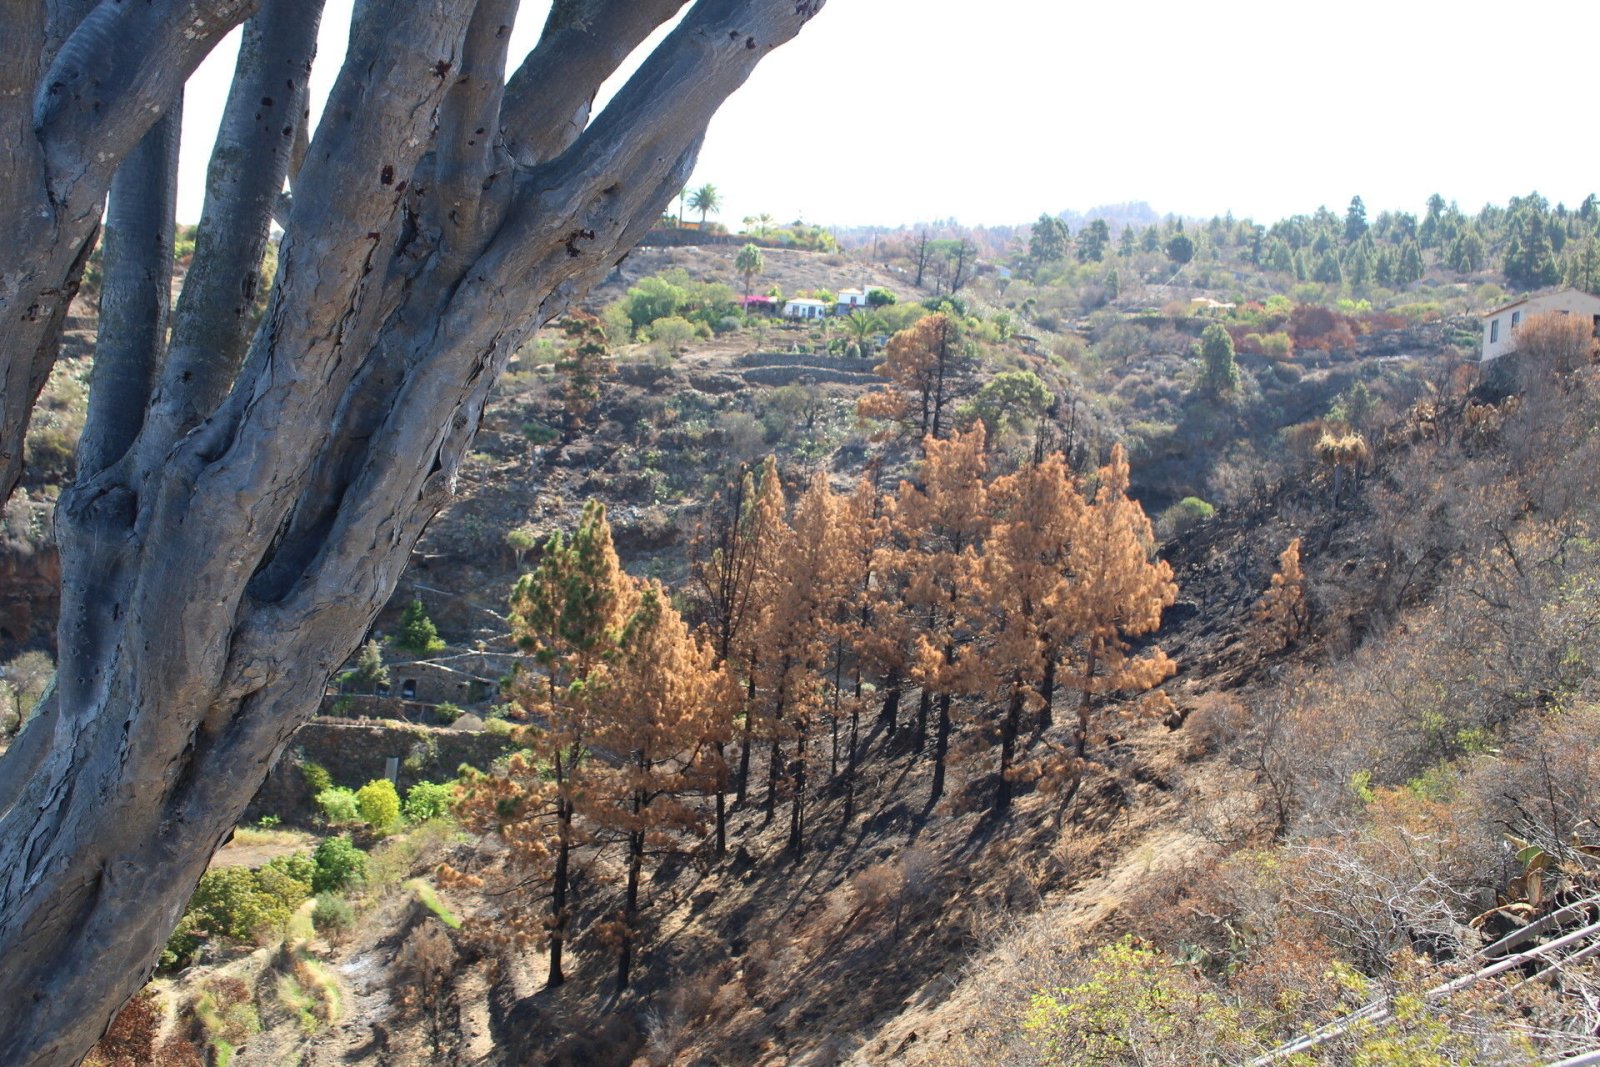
937	523
245	503
1221	374
1024	579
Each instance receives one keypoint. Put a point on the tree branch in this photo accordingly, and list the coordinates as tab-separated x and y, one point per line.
583	44
467	139
135	296
114	76
252	157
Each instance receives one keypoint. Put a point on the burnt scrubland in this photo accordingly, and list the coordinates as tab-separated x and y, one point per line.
1092	674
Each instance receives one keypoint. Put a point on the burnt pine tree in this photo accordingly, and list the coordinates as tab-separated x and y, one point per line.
1024	579
940	521
1282	610
861	529
726	560
1119	592
766	522
583	364
812	583
669	708
568	617
246	497
922	363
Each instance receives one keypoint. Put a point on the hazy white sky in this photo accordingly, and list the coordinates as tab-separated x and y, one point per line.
899	111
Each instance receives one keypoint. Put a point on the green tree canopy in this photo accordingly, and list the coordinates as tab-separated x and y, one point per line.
749	262
1180	249
417	632
1092	241
1011	398
707	201
1221	373
1048	240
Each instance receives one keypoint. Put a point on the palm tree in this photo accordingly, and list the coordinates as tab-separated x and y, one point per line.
864	324
749	263
705	200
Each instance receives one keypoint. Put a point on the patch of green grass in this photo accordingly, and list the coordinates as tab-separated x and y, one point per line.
429	899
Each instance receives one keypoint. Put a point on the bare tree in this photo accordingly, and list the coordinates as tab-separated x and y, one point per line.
245	501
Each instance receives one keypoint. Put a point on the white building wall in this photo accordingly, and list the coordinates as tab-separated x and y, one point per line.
1499	328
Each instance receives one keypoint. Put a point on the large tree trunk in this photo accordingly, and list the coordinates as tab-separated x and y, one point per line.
220	565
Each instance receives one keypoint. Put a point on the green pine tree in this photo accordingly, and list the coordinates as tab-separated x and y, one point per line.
1216	349
417	632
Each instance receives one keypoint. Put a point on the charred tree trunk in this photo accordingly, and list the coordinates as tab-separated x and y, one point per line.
919	737
559	879
851	756
774	774
1080	735
1047	692
797	802
1010	726
941	749
889	714
630	897
722	801
746	742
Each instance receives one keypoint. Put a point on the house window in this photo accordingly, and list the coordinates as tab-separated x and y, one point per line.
408	689
1494	331
1516	317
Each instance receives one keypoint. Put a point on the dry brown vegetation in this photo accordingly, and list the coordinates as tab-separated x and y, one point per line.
1354	784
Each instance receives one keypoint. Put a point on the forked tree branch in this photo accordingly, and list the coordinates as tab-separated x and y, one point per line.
135	294
117	72
264	119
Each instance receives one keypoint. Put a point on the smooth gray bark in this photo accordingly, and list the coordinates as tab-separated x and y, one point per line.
75	97
221	567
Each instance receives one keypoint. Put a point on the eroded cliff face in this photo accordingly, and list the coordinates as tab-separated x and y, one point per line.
30	578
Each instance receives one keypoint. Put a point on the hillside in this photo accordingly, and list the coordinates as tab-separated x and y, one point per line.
1433	699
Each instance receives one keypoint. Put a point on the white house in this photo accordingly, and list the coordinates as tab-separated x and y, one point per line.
805	309
1500	324
852	298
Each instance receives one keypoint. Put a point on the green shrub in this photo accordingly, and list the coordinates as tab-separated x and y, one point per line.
332	915
1134	1007
1185	514
227	1014
316	776
448	712
428	800
430	900
417	632
379	804
338	864
338	805
238	904
540	433
297	866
